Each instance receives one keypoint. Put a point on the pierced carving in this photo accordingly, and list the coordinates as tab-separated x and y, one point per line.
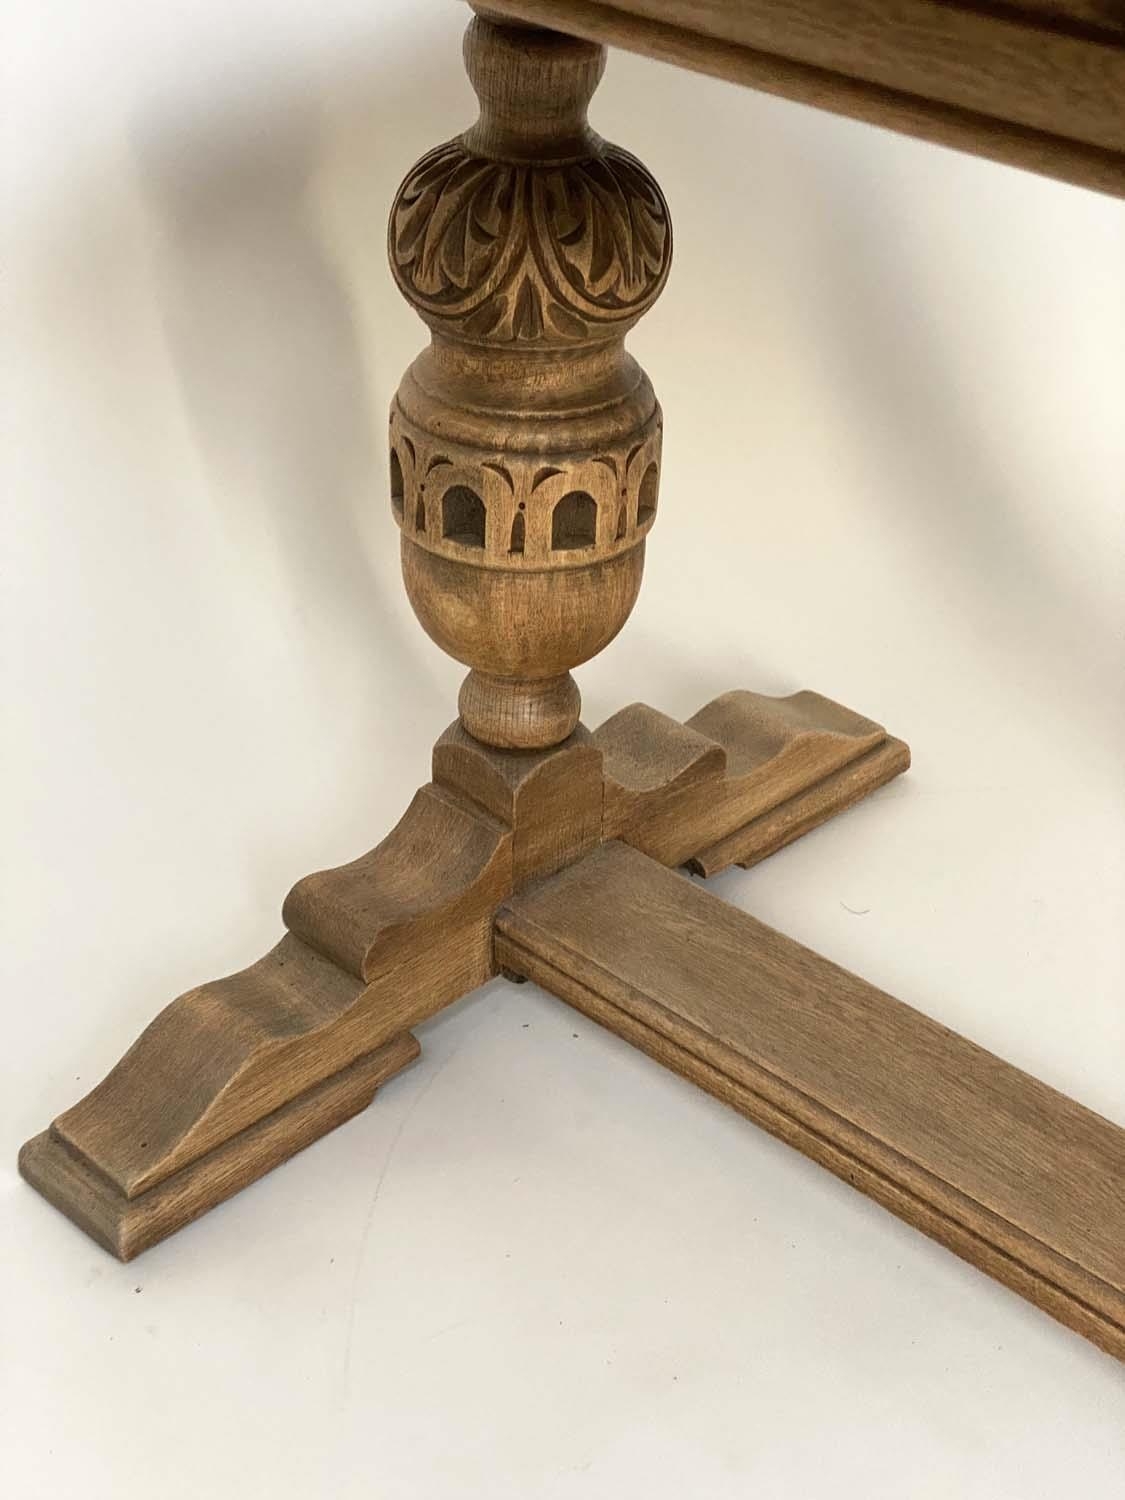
513	510
397	485
463	517
527	439
646	500
574	522
529	254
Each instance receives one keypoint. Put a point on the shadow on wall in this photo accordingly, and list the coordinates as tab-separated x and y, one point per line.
270	355
266	345
262	340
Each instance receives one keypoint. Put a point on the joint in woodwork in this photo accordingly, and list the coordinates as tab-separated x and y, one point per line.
550	799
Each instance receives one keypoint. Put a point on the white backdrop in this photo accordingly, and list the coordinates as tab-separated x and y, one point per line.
893	381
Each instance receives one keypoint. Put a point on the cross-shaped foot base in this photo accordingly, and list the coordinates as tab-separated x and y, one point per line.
555	865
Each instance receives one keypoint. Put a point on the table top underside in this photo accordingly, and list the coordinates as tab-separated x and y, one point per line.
1038	84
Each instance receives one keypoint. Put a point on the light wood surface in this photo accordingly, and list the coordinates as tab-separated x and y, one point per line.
1039	85
525	453
1011	1175
743	777
525	442
234	1077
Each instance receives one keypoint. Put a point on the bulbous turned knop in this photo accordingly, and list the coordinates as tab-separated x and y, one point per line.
525	443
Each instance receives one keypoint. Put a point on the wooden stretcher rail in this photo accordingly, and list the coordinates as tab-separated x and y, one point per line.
1011	1175
1039	85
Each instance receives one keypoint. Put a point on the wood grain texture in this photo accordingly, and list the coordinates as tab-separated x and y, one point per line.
440	870
1011	1175
415	915
742	777
235	1076
126	1226
525	443
804	810
1039	86
377	946
551	799
525	462
1099	18
382	943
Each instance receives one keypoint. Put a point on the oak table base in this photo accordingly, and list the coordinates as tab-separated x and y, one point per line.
525	463
236	1076
555	866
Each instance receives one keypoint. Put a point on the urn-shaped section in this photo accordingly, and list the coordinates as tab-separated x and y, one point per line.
525	444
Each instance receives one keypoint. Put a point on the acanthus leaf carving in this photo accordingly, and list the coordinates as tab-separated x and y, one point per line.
530	254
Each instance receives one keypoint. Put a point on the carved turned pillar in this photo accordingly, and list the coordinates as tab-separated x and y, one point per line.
525	441
525	463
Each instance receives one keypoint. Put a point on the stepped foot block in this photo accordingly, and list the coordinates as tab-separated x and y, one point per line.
1012	1176
800	814
739	780
235	1076
127	1225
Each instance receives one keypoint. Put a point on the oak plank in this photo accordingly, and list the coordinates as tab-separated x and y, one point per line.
1013	1176
1041	89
